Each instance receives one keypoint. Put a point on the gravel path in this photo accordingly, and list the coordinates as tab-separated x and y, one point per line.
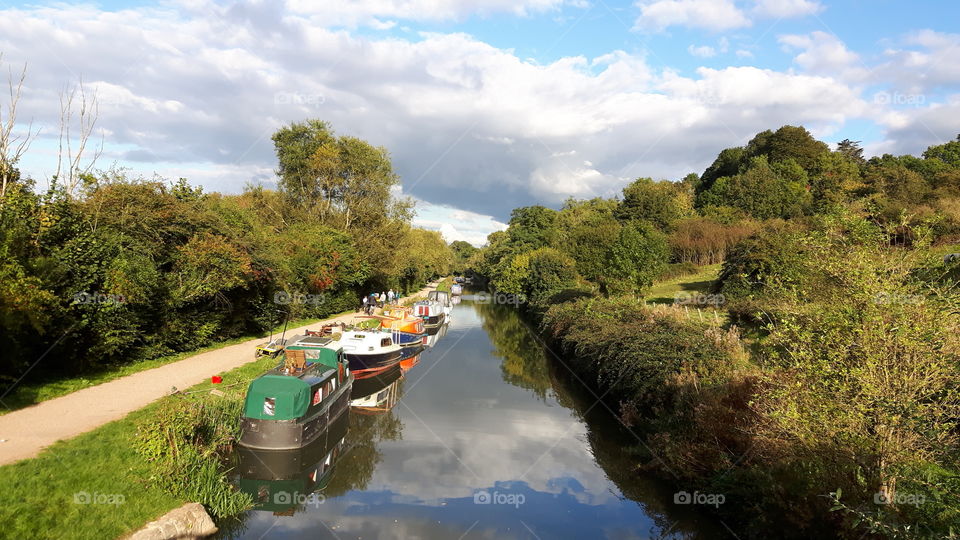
28	431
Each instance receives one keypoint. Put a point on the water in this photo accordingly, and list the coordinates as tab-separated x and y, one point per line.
486	436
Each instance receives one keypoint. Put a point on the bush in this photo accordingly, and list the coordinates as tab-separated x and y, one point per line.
187	440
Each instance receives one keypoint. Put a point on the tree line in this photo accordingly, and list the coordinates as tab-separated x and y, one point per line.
820	392
121	269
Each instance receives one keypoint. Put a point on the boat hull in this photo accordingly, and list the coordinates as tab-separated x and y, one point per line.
292	434
360	363
435	321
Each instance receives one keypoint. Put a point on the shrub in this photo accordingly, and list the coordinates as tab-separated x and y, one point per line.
187	440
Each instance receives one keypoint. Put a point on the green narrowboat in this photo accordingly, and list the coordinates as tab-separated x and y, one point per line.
291	405
282	481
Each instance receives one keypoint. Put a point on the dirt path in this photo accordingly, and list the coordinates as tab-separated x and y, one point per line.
28	431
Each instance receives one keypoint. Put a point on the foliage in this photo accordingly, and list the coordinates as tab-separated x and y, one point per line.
660	203
131	269
637	257
186	440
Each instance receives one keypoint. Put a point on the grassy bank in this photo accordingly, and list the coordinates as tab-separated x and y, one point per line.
31	393
45	497
670	290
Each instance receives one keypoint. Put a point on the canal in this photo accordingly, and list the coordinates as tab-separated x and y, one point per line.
484	435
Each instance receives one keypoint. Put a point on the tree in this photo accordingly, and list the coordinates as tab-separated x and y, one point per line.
532	227
549	270
762	190
661	203
12	147
788	142
637	257
851	150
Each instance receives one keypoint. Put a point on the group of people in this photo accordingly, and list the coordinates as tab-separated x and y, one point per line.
374	300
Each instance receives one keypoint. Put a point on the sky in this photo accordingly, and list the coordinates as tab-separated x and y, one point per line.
484	105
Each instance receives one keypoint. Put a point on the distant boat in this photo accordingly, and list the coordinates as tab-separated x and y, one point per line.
431	311
444	298
291	405
456	289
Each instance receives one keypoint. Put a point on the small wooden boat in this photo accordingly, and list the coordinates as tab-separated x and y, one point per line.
280	481
291	405
368	350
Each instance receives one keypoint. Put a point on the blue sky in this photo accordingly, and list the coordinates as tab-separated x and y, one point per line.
485	105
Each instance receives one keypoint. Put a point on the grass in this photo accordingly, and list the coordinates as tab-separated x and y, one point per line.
37	496
445	284
665	292
28	394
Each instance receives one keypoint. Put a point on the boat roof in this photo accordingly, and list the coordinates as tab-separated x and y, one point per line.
298	343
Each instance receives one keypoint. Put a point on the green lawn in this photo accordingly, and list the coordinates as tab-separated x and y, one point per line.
42	497
665	292
30	393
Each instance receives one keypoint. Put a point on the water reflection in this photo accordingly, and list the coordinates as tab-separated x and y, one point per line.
481	436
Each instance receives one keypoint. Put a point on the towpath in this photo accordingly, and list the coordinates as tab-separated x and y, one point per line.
28	431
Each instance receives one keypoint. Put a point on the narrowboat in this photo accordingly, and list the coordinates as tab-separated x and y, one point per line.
369	350
280	481
456	289
291	405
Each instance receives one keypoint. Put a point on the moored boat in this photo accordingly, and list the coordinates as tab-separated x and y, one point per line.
443	297
431	311
282	480
456	289
291	405
368	350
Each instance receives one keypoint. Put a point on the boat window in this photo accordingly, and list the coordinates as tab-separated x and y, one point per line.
317	396
269	406
385	342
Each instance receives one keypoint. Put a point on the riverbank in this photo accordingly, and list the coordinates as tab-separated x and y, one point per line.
28	431
97	484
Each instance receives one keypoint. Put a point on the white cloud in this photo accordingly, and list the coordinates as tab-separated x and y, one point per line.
703	51
708	14
198	93
824	53
455	224
787	8
367	12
